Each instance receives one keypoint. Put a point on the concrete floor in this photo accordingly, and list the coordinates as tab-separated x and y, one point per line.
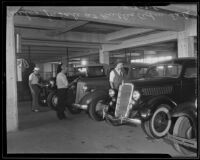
43	133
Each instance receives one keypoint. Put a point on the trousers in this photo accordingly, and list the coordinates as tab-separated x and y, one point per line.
35	93
62	100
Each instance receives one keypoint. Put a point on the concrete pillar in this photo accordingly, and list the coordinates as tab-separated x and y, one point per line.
103	57
11	72
185	45
18	43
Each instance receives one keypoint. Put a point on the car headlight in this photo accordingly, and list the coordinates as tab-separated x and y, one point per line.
136	95
85	88
52	83
111	92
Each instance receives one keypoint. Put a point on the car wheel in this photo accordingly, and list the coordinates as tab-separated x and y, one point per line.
146	129
52	100
183	128
41	99
96	108
160	122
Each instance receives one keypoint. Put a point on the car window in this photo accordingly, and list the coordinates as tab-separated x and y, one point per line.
136	72
95	71
164	70
190	72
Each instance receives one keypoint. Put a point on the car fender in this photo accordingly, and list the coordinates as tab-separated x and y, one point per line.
87	99
154	101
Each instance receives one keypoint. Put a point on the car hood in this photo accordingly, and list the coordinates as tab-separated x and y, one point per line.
152	82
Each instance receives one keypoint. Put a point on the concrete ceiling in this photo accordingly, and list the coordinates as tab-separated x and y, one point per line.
48	33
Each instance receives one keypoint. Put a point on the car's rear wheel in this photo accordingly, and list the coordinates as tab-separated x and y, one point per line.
52	100
183	128
160	122
96	108
42	99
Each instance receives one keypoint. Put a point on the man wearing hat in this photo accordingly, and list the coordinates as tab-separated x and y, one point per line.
34	87
117	75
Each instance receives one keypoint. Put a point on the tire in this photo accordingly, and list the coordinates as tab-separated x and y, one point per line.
146	129
93	107
42	99
160	122
183	128
52	100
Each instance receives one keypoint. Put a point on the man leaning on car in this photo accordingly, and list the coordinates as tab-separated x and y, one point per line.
117	76
62	85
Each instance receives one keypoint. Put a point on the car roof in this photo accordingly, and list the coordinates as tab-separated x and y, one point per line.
91	65
179	60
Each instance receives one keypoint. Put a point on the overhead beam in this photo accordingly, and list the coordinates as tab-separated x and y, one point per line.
127	16
125	33
51	48
37	42
69	36
142	41
68	28
183	10
40	23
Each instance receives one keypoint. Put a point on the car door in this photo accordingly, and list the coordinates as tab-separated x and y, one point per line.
189	83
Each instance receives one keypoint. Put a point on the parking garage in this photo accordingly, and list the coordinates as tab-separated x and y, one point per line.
46	36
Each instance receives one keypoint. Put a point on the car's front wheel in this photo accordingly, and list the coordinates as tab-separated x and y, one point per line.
52	100
160	122
96	108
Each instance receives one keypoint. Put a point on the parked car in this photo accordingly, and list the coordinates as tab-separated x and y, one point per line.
183	130
89	72
149	100
48	87
91	91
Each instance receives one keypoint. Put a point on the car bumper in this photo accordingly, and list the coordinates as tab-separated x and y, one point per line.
121	120
80	106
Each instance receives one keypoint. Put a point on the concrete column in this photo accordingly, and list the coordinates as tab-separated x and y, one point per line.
185	45
18	43
103	57
11	72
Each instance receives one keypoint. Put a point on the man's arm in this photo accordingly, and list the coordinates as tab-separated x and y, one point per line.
29	82
111	79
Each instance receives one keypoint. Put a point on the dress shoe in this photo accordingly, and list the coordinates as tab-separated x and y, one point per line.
61	116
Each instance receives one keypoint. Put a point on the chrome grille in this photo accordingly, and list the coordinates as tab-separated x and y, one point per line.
123	99
79	91
157	90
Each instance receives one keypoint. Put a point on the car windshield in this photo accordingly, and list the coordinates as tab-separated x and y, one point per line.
164	70
90	71
137	72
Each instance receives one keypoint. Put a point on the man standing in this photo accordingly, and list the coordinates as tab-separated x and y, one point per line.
62	85
34	87
116	76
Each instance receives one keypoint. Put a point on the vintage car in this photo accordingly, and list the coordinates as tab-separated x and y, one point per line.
183	130
149	100
81	72
46	89
90	91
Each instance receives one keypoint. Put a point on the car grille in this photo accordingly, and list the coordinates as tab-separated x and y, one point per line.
157	90
123	99
79	91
